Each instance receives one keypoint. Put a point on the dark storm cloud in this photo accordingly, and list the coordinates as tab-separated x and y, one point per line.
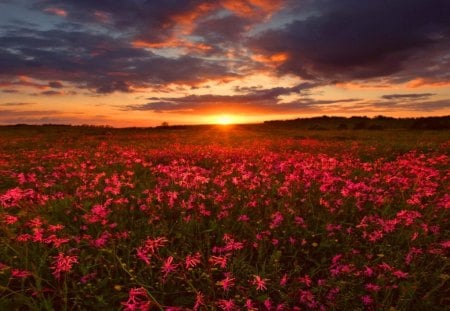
222	29
354	39
408	96
95	61
148	20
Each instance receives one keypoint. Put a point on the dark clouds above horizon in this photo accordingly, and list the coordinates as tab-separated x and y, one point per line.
67	47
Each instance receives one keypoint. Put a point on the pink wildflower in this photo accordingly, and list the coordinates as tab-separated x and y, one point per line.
10	219
168	266
268	304
199	301
63	263
367	300
284	280
446	244
305	280
152	245
17	273
226	305
250	305
192	260
138	299
372	287
220	261
227	282
243	218
277	219
400	274
142	254
260	283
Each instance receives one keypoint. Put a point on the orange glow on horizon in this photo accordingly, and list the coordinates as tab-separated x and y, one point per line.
225	119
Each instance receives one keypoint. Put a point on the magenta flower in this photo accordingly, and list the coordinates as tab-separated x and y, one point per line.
260	283
138	299
168	266
227	282
226	305
192	260
17	273
63	263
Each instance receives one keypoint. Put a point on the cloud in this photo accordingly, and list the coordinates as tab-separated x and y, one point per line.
422	106
56	11
16	104
6	113
98	62
151	21
222	29
353	39
55	84
255	101
408	96
175	46
9	116
51	93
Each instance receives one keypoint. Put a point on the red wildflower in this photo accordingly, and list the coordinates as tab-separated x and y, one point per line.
226	305
138	299
259	283
63	263
192	260
227	282
17	273
168	266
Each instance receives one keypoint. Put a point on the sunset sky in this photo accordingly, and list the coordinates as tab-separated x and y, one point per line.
143	62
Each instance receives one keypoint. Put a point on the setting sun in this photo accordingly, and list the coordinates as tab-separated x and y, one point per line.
225	119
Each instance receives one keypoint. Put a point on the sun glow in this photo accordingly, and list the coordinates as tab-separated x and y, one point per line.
225	119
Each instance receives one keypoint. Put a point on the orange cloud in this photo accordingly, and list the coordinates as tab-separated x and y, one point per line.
268	5
173	43
252	8
421	82
186	20
273	59
56	11
24	81
364	85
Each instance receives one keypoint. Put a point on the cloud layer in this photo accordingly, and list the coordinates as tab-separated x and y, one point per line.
109	46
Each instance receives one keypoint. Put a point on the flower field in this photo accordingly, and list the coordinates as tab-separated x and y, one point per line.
224	220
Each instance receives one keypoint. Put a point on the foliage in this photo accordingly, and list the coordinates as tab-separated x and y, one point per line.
223	218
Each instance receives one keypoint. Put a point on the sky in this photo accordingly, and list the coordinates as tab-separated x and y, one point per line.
145	62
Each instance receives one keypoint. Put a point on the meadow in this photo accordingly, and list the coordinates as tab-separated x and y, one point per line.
223	218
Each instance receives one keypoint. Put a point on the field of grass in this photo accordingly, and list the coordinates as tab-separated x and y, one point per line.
223	218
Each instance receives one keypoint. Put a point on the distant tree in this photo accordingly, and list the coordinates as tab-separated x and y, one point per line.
360	125
375	127
165	124
342	126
